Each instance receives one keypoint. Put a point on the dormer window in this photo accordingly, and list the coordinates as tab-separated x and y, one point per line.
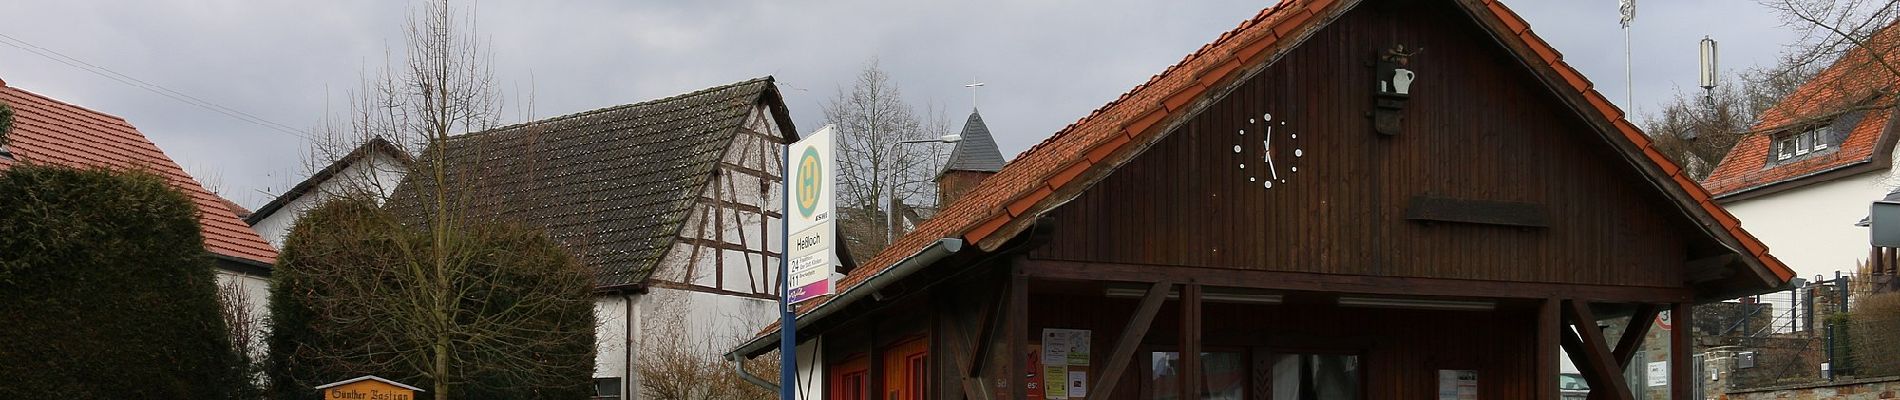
1800	144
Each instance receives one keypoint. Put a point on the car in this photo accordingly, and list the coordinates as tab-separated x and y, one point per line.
1572	387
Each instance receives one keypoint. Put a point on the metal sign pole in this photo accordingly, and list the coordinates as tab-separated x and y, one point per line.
787	321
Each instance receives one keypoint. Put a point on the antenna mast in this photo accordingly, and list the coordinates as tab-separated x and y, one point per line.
1708	71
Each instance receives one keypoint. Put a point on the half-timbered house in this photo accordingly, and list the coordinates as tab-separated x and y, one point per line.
1338	199
673	203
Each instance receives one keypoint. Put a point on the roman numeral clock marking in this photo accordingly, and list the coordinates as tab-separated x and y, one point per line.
1266	124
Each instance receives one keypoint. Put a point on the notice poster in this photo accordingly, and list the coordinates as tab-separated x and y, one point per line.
1065	346
1078	384
1055	381
1055	347
1065	360
1658	373
1457	384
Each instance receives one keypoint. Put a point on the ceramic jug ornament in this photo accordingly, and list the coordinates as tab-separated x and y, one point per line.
1402	80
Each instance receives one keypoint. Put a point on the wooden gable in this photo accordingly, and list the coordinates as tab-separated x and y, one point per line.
1493	177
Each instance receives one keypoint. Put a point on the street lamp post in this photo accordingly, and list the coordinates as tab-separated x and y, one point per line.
890	214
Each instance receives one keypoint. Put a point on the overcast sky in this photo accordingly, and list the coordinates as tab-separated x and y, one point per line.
1046	62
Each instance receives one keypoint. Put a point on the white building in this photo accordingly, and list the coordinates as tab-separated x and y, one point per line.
1806	173
673	202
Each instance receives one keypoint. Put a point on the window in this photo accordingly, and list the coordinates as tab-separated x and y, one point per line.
606	388
1315	376
849	380
1800	144
1223	376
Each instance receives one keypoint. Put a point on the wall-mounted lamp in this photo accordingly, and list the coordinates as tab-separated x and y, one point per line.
1394	87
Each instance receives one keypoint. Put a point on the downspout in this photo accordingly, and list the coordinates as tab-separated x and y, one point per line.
738	364
627	380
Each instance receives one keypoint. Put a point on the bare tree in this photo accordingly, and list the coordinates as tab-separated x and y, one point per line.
246	330
1849	47
678	362
1841	63
1697	128
430	289
876	170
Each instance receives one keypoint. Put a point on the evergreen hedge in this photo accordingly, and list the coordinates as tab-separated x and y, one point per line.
106	290
314	341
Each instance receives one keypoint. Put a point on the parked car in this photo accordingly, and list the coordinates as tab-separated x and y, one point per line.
1572	387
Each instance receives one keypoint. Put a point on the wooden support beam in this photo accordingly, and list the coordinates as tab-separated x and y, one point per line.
1016	333
959	349
992	322
1591	353
1633	335
1550	326
1358	284
1190	341
1681	351
1125	344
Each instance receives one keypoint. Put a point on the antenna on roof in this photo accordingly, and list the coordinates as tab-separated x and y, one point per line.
973	87
1708	69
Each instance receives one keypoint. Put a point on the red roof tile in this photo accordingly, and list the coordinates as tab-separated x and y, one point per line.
1852	83
52	132
995	210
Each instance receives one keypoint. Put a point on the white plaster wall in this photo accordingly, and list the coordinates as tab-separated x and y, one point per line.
811	370
256	292
378	173
1812	228
611	314
719	322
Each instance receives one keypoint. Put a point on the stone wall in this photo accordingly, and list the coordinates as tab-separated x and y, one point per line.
1872	388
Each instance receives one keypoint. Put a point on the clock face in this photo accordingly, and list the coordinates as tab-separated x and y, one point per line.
1267	151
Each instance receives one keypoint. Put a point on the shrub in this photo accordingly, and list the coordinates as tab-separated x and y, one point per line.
106	290
1875	343
343	304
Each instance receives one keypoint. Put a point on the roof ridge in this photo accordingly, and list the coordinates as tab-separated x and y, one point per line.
607	109
93	112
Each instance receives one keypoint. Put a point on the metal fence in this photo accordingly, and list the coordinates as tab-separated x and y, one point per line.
1817	330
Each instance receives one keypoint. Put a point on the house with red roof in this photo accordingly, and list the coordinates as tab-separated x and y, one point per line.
1337	199
52	132
1806	172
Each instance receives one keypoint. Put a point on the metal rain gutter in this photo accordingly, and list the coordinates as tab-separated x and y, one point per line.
943	247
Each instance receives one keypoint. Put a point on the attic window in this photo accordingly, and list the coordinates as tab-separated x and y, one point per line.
1800	144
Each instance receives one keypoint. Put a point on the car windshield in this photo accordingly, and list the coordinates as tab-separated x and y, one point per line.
1572	382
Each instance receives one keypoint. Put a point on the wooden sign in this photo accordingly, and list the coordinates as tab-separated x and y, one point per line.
368	387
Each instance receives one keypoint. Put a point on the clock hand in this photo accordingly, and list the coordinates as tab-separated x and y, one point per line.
1267	149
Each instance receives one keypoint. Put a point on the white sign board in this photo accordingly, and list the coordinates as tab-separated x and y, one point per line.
809	215
1457	384
1658	373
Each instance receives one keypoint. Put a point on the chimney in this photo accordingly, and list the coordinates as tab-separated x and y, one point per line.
974	159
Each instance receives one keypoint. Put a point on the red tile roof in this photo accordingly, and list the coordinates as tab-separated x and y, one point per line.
1854	82
1004	204
52	132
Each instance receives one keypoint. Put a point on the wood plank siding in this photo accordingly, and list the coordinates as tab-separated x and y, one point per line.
1478	127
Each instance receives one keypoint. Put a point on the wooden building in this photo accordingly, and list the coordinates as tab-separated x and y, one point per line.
1339	199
